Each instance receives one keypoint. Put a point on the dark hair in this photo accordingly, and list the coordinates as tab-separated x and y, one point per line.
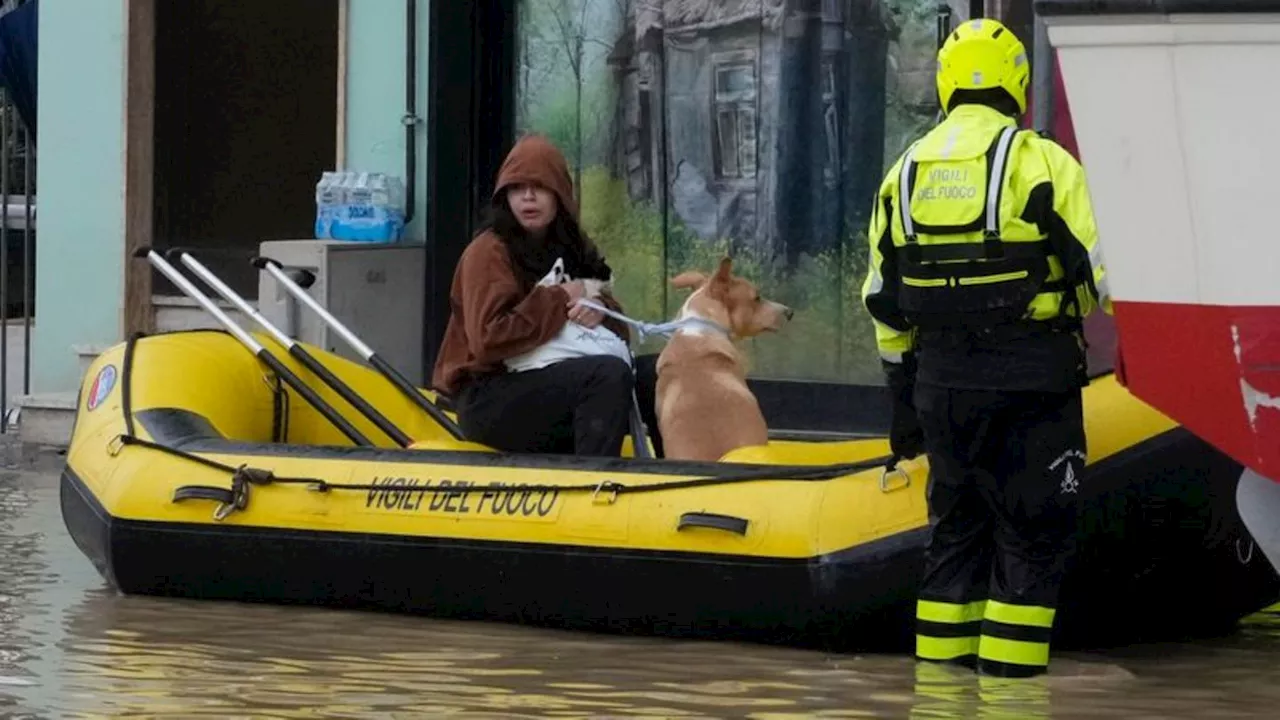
531	258
996	98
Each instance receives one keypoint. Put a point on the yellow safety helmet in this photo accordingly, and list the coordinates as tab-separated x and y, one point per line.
983	54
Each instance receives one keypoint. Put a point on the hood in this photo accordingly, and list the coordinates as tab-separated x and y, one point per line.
534	159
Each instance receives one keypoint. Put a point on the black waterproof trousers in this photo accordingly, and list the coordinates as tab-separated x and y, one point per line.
1006	469
580	406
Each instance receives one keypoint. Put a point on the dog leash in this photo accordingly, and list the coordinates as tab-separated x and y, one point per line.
644	329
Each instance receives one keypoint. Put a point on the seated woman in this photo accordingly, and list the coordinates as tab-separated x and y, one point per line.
504	309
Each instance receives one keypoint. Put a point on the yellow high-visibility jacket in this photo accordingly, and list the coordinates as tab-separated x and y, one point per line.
991	214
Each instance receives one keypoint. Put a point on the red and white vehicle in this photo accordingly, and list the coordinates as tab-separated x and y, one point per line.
1176	115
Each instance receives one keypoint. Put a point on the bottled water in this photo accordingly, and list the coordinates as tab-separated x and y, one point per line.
328	198
359	206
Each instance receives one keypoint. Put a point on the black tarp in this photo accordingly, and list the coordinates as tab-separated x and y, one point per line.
18	61
1158	7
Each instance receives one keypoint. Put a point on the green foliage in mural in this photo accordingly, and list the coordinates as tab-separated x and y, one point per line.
567	90
830	337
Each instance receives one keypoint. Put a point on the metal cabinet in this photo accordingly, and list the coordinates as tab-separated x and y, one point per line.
375	289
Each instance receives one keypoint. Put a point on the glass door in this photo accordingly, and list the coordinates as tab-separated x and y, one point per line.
755	128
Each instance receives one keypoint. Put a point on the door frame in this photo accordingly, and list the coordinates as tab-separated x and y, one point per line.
470	126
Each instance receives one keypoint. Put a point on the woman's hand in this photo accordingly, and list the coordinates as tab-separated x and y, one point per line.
582	315
585	316
576	290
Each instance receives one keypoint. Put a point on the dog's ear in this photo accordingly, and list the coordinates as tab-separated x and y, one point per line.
725	270
720	282
689	279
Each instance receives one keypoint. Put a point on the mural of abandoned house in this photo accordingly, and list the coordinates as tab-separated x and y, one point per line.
771	114
766	124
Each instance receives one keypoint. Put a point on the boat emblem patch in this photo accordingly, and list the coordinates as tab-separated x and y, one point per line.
101	387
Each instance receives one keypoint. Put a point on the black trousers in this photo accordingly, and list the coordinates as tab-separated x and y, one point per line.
580	406
1006	470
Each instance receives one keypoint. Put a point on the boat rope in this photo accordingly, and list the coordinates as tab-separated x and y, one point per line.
243	477
645	329
126	382
229	499
765	473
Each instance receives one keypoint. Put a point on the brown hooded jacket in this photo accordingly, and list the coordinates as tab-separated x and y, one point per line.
492	318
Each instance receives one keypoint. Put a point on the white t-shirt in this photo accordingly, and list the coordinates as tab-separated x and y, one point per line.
572	341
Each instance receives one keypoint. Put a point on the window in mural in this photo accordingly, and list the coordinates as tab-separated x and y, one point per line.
735	113
830	123
757	128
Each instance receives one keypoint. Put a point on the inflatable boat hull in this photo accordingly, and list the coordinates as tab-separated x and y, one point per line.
830	562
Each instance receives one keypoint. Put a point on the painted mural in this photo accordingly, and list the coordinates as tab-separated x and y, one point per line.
758	128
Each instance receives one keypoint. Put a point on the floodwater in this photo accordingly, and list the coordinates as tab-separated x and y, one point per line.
71	648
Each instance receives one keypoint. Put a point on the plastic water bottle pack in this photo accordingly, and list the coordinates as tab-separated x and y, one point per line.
359	206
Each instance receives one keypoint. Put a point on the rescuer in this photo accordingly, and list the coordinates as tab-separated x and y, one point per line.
983	263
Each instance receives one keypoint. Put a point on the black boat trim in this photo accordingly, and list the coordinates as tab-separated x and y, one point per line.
568	586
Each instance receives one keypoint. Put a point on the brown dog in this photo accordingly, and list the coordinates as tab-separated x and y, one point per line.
704	406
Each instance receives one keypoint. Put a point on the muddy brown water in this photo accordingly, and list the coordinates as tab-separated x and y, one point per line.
72	648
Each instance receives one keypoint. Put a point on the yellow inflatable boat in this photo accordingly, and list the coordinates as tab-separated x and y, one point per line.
193	472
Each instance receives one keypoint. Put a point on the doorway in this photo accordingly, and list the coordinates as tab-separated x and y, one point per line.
245	123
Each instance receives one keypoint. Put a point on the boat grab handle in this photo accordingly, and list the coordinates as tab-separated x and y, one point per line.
228	499
714	521
201	492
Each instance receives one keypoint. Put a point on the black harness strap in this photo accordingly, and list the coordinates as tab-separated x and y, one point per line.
951	252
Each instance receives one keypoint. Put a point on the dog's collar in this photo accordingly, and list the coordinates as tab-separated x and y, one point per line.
694	321
666	329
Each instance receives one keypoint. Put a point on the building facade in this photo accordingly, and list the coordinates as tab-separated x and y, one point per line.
202	124
694	128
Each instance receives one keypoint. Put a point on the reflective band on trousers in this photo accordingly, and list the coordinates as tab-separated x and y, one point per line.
940	629
941	634
1013	652
1029	615
949	648
945	612
1005	622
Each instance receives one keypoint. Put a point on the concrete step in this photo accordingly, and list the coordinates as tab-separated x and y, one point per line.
46	418
182	313
86	354
172	314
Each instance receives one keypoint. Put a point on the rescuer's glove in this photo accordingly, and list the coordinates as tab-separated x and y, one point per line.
906	438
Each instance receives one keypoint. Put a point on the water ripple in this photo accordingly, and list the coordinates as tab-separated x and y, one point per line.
70	647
